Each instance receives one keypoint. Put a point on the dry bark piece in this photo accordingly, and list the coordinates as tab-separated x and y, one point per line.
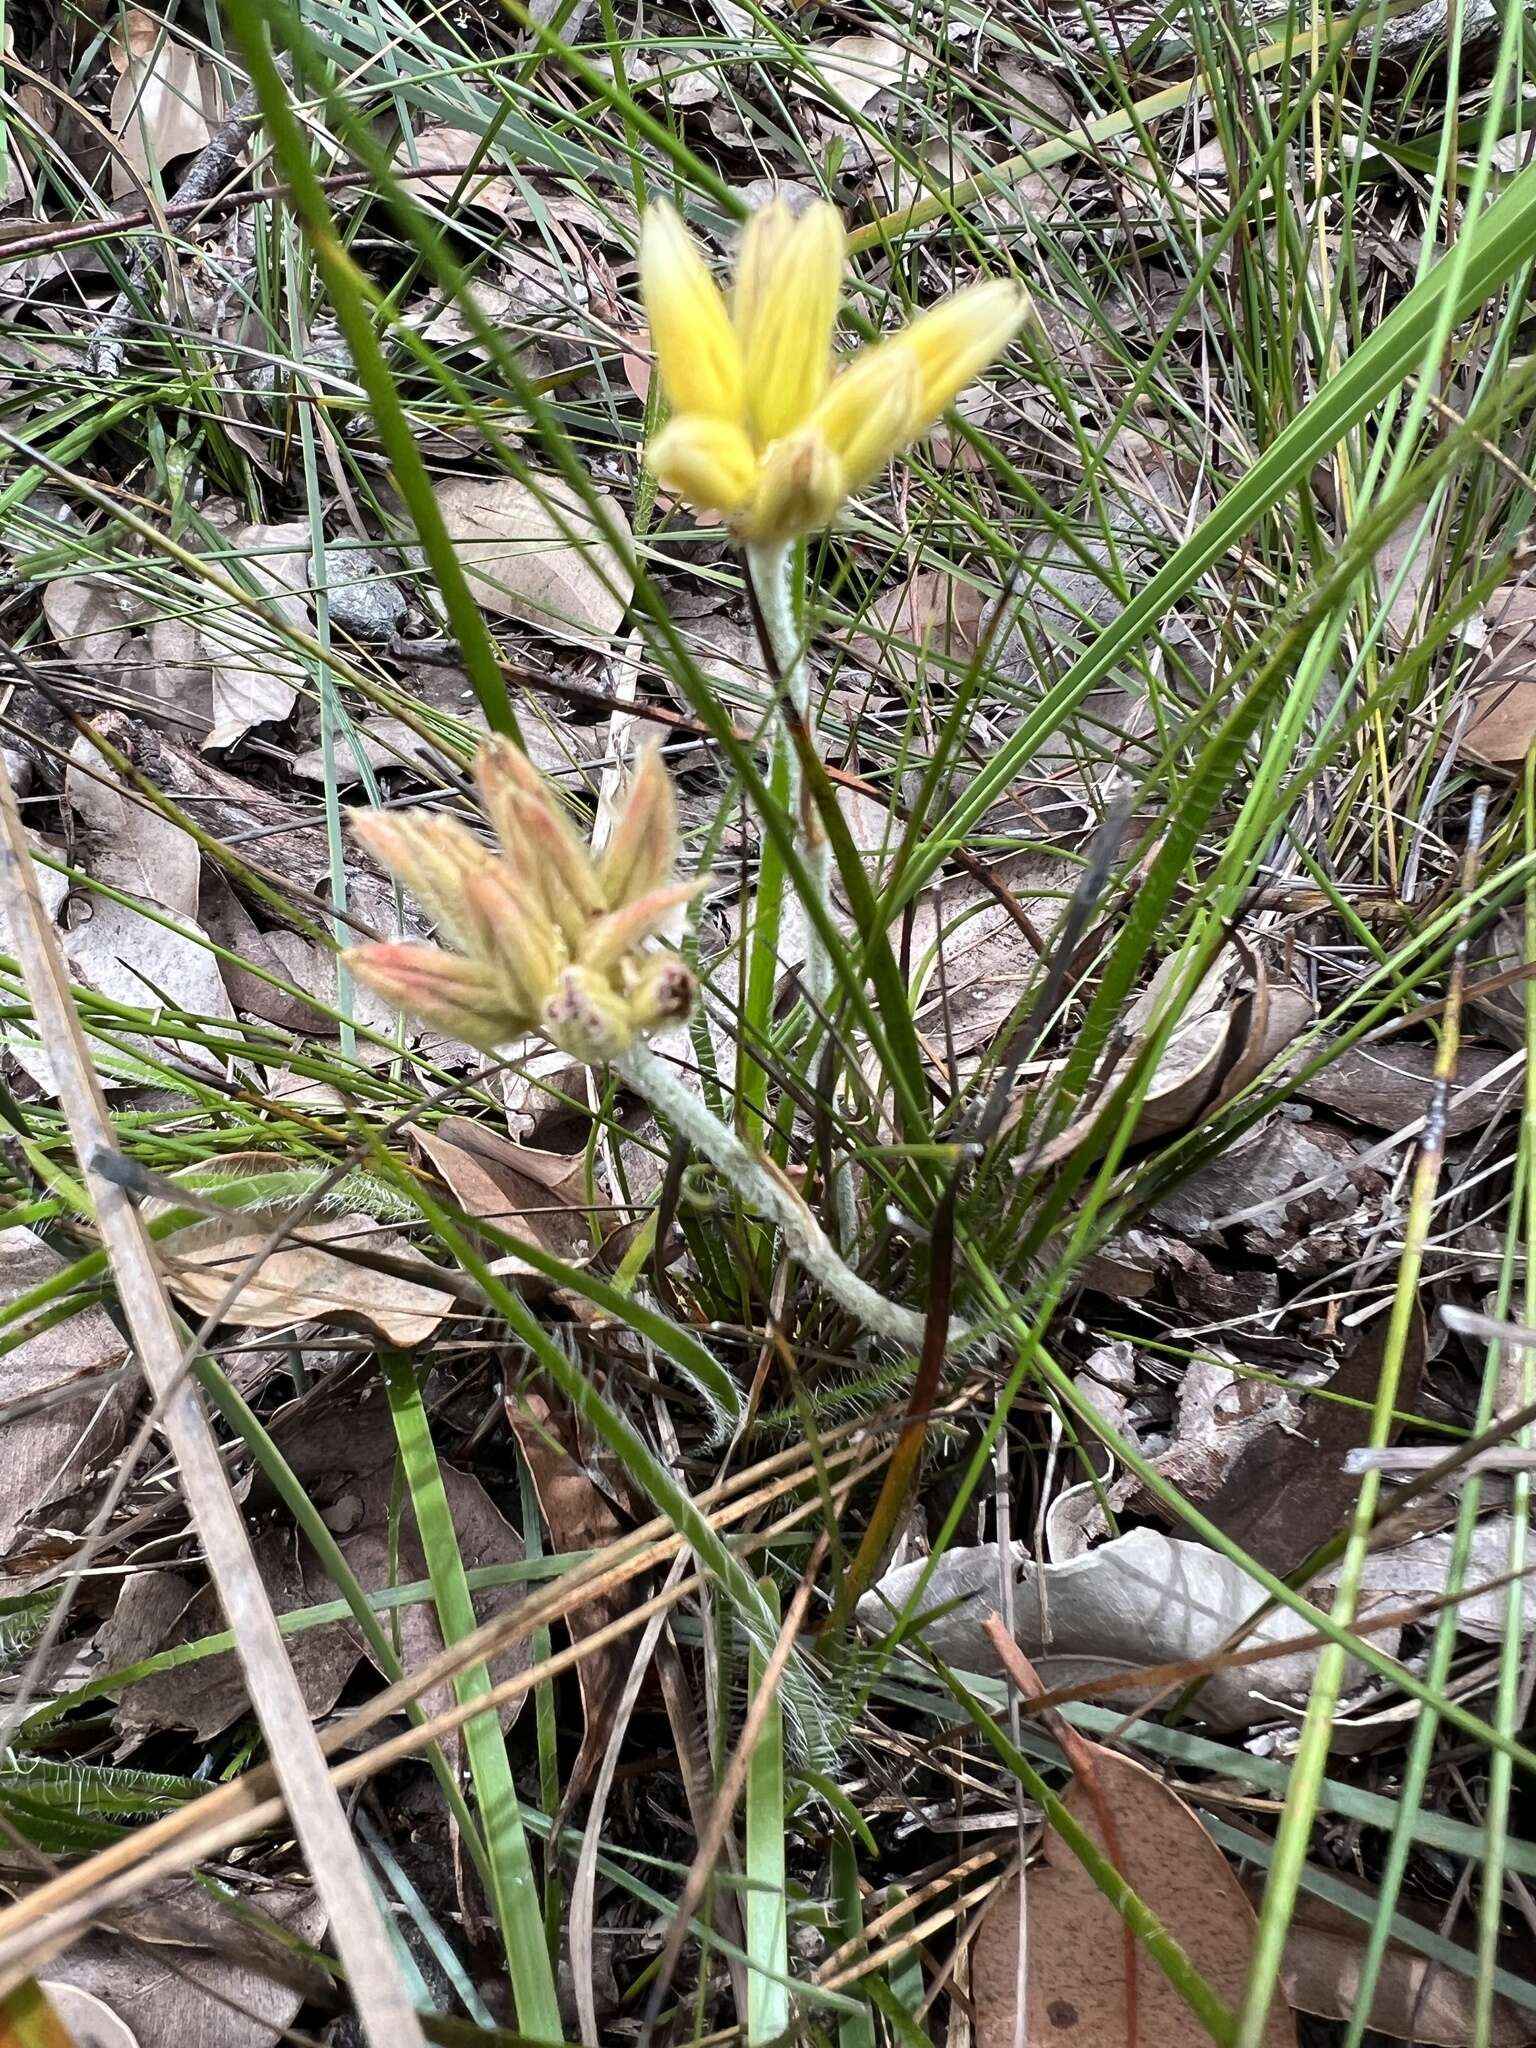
1075	1953
1288	1490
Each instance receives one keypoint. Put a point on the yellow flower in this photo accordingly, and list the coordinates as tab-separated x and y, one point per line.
547	939
761	430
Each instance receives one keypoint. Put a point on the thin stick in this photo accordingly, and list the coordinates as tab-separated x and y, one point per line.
378	1987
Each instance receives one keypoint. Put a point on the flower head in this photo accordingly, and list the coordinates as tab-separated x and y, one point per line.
761	429
547	938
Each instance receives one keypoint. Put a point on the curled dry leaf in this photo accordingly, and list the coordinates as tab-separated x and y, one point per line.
534	553
1144	1599
1415	2000
87	2021
1075	1949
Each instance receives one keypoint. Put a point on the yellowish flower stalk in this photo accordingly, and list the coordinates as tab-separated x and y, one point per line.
545	937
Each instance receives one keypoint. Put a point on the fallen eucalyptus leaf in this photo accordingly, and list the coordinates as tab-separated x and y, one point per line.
1076	1943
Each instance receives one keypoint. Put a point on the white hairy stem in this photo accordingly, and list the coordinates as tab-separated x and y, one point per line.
770	571
769	1197
769	568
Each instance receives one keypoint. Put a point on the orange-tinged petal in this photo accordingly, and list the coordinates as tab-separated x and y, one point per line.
958	339
697	352
539	842
434	856
643	850
461	997
708	463
789	278
609	938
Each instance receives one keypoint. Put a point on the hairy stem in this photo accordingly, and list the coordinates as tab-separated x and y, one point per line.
769	1197
769	567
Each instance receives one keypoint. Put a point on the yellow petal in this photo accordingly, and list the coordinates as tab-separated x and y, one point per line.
696	348
661	991
799	489
709	463
788	280
517	939
872	410
956	341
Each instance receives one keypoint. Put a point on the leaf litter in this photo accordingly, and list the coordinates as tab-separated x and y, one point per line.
1226	1328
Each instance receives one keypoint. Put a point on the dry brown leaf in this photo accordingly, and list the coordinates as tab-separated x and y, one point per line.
1387	1086
164	104
197	1977
579	1516
1502	725
88	2021
207	1696
345	1458
48	1452
1288	1490
539	1195
300	1283
1075	1952
446	154
536	555
91	617
256	674
856	68
1415	2001
129	845
932	616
